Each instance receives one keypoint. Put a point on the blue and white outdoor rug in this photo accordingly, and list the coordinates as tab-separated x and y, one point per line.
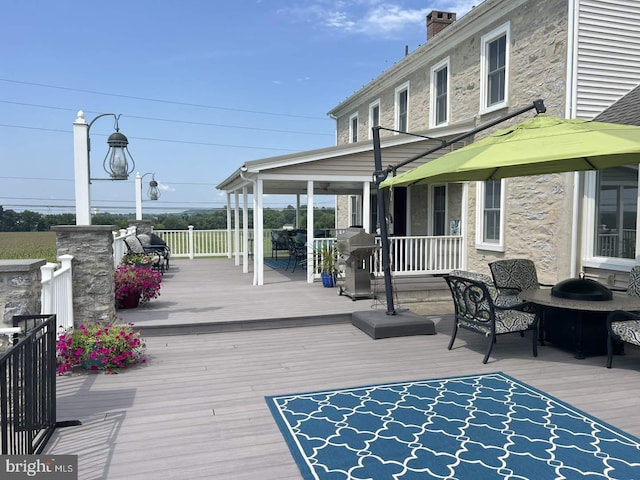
481	427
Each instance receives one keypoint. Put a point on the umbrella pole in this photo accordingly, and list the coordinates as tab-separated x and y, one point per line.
379	176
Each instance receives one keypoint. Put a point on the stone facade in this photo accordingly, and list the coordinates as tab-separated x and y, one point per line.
538	209
20	288
93	270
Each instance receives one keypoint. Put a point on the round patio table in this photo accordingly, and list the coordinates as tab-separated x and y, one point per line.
585	325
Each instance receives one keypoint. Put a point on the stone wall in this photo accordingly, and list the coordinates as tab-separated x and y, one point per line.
20	288
538	209
93	270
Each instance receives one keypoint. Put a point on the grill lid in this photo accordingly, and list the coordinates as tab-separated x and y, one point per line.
355	240
581	289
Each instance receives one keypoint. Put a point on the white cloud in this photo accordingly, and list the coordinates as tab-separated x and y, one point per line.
386	18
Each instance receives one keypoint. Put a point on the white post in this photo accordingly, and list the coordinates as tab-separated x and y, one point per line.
245	231
138	186
81	169
236	228
366	206
190	242
258	228
310	240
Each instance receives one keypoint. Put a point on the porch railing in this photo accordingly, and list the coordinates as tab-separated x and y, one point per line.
28	387
57	291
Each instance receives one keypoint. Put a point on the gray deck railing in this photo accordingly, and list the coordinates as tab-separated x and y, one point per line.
28	387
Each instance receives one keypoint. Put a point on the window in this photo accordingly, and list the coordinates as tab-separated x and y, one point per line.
353	128
494	69
439	93
490	215
439	210
355	210
402	107
616	205
374	116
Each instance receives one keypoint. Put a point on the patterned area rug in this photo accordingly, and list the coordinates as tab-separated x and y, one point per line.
279	264
481	427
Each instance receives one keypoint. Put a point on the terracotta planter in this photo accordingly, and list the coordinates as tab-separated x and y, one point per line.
131	301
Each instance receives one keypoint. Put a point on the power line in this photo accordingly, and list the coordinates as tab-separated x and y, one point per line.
166	140
186	122
173	102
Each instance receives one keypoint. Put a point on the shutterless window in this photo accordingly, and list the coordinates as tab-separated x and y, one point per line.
439	209
353	128
441	94
374	116
355	210
402	108
616	212
496	70
491	212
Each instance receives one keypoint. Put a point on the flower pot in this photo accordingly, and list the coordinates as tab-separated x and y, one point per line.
130	301
327	279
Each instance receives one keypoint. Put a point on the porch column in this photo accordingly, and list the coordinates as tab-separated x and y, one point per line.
464	224
366	206
258	227
245	231
229	248
236	225
310	264
298	210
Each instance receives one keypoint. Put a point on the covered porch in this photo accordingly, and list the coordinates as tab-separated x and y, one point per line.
344	170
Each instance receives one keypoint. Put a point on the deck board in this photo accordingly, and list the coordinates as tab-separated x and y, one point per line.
197	409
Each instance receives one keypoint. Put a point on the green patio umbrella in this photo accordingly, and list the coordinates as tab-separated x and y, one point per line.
537	146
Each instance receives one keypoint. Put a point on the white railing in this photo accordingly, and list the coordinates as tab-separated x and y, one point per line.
119	247
421	255
57	291
413	255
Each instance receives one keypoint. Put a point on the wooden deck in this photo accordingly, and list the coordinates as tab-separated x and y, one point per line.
197	409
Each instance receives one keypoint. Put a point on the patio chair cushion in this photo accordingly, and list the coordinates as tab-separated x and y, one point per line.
622	326
628	331
633	288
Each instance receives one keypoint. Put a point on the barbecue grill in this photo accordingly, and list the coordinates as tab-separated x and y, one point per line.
355	248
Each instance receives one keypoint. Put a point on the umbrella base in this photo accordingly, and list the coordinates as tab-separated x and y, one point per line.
377	324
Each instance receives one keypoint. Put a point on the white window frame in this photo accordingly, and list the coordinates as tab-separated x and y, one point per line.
372	106
589	227
399	90
435	69
353	132
487	39
358	211
481	244
431	215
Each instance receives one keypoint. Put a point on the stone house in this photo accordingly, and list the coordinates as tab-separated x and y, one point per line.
579	56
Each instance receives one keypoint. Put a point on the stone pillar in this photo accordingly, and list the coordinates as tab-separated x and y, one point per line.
20	288
93	270
142	226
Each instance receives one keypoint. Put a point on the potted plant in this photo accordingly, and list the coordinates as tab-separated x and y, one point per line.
99	347
138	259
136	284
328	265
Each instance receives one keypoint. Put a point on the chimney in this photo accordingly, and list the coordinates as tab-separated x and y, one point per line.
438	21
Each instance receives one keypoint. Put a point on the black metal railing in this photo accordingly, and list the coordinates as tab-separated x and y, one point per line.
28	386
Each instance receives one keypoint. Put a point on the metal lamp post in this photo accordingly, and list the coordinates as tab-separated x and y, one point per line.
153	193
118	162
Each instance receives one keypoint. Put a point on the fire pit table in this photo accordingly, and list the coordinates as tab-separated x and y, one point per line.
574	314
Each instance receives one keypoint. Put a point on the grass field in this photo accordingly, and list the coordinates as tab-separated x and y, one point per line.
14	245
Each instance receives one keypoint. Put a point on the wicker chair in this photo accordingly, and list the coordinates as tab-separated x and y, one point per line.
476	310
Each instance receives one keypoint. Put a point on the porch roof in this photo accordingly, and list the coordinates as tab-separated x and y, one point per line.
342	169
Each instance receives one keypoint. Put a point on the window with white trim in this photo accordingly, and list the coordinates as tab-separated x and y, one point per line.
439	111
616	211
490	215
353	128
494	69
402	108
355	210
374	116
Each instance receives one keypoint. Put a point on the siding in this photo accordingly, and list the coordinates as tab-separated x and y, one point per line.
608	53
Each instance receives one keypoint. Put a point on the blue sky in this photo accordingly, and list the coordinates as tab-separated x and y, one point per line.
202	86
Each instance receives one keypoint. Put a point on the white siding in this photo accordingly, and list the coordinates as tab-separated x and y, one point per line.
608	53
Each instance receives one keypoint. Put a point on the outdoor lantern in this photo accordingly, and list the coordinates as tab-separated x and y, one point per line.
154	192
115	162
